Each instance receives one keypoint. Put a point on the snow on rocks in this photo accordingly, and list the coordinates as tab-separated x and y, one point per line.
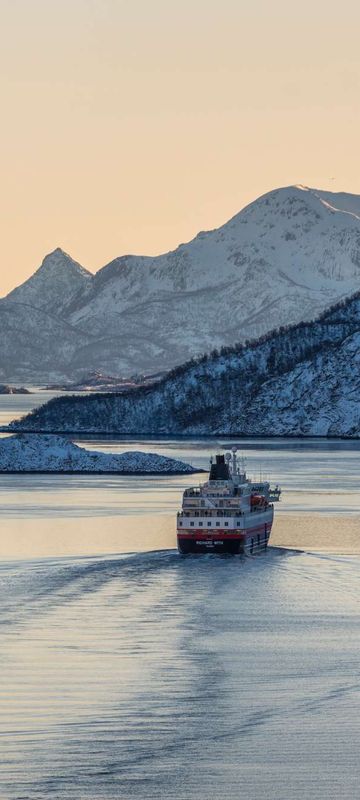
283	259
302	380
51	453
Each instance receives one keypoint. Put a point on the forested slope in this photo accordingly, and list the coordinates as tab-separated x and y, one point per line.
301	380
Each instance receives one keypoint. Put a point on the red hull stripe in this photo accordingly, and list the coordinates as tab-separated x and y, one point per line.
227	538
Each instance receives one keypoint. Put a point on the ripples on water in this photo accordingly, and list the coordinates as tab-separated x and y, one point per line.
152	676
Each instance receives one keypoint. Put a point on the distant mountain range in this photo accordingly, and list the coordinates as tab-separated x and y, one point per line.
283	259
303	380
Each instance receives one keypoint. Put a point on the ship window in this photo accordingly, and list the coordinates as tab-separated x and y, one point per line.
191	523
226	524
180	523
209	524
202	503
218	524
238	522
200	523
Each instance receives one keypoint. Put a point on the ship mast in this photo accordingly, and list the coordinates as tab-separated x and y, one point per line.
234	460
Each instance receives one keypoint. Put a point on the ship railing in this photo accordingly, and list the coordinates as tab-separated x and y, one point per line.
203	512
234	512
205	500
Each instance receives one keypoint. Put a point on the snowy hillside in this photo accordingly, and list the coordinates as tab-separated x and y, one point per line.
37	340
36	453
54	285
303	380
282	259
35	346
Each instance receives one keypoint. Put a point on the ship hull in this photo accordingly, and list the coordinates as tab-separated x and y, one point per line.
245	542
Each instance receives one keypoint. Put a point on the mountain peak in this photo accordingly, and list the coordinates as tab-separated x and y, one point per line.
281	260
58	251
58	259
54	284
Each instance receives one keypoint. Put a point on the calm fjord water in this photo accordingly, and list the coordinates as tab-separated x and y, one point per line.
143	675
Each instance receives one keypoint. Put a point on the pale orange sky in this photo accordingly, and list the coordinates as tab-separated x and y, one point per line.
130	125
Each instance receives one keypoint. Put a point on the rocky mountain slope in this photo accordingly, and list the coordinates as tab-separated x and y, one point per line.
37	340
282	259
300	380
35	345
54	285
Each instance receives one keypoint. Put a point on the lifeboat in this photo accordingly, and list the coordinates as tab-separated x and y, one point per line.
258	501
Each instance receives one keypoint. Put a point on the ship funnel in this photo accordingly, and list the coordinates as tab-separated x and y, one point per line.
219	471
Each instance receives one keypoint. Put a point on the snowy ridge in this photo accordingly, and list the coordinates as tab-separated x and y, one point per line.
303	380
54	284
284	258
37	453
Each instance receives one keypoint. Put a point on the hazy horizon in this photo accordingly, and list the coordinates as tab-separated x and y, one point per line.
130	128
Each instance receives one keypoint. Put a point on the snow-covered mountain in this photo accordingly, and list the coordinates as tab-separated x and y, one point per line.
303	380
35	345
37	340
282	259
54	285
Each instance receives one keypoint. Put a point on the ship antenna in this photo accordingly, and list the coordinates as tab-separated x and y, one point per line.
234	460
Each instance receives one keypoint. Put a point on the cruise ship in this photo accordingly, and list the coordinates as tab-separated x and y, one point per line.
227	514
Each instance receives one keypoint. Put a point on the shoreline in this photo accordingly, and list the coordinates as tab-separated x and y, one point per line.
185	436
155	473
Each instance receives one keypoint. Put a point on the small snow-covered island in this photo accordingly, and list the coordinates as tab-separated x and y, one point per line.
45	453
5	389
